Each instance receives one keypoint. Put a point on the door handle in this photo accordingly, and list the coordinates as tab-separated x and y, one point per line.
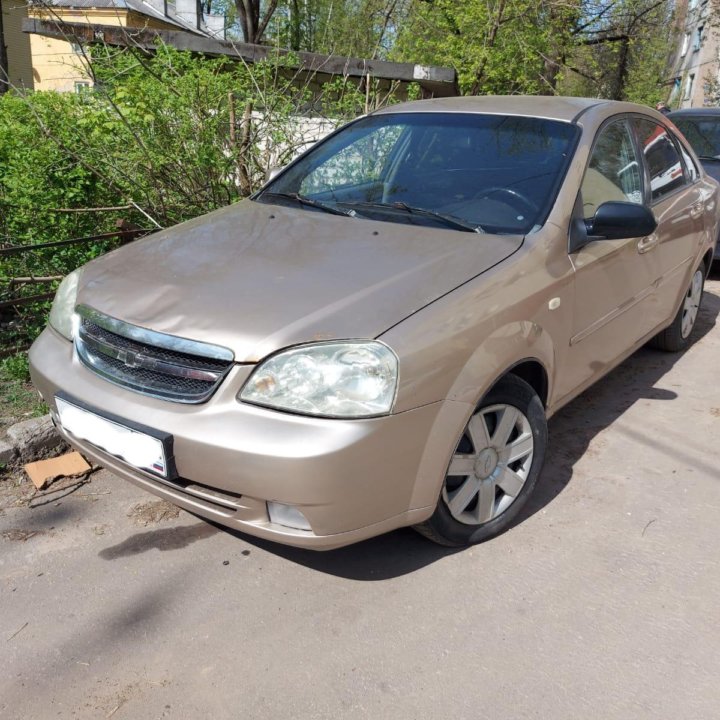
647	243
697	210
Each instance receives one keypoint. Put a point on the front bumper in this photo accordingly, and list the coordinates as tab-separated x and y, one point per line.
352	479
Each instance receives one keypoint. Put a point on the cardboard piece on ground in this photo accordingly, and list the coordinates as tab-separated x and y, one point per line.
44	471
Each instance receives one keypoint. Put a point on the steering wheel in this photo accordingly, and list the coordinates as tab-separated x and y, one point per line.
514	195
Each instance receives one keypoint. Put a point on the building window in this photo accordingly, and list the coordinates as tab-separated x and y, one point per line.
685	45
675	92
82	87
76	48
689	84
698	38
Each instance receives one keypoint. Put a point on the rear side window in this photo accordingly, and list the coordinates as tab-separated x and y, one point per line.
613	173
662	158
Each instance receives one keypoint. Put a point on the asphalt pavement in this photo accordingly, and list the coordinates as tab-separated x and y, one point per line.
601	602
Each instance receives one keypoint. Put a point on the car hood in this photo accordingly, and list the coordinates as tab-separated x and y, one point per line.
256	278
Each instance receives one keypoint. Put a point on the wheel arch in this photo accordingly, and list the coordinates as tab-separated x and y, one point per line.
523	349
533	372
508	347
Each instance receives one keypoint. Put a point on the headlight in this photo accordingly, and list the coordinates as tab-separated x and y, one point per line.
336	379
63	307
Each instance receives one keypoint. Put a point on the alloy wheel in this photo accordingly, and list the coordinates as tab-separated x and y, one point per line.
692	303
490	465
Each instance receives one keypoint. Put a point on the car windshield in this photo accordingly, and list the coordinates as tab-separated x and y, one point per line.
463	171
703	133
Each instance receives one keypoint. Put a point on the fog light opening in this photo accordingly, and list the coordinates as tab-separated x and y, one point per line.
287	515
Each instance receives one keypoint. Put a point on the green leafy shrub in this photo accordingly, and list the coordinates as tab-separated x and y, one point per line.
16	367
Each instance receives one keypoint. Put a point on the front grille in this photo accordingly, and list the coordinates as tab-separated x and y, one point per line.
148	362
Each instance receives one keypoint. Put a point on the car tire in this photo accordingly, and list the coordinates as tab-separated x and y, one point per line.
676	336
494	468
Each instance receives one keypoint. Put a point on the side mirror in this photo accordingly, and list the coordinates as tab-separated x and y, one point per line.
617	220
273	172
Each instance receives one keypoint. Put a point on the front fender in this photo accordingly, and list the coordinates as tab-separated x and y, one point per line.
504	349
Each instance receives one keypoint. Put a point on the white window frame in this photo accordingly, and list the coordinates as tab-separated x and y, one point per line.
689	86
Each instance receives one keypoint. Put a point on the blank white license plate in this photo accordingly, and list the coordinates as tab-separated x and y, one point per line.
135	448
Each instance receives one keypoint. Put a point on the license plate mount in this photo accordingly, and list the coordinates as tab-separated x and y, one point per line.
139	446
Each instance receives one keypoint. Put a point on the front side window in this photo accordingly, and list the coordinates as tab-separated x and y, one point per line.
661	157
613	172
491	173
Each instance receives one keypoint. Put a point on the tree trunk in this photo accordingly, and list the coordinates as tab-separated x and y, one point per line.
389	11
295	25
243	151
252	21
618	86
4	69
480	72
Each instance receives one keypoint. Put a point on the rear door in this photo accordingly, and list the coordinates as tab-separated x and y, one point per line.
678	202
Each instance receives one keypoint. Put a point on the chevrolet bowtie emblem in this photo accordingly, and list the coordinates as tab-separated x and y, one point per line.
129	358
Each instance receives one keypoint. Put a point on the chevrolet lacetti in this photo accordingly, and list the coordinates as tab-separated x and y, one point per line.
377	338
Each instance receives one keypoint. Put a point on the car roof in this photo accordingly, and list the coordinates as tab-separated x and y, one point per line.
688	112
565	109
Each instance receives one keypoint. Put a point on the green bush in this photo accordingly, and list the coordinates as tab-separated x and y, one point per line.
16	367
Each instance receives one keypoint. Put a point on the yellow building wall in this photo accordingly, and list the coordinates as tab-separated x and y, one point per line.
17	43
56	64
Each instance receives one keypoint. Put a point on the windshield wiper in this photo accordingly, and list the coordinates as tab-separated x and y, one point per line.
450	220
709	157
302	200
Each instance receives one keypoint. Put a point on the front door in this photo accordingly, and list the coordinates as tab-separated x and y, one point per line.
615	303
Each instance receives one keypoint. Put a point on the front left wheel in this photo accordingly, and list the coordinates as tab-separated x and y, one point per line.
494	468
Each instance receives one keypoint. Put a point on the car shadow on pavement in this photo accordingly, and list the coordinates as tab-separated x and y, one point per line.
570	433
387	556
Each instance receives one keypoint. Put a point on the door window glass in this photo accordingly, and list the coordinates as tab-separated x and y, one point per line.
662	158
613	173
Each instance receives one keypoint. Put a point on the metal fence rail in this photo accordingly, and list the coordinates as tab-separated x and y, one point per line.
126	235
19	312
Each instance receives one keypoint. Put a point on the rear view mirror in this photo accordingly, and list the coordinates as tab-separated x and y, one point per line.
617	220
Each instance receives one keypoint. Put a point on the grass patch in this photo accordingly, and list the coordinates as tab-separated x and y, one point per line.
18	398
